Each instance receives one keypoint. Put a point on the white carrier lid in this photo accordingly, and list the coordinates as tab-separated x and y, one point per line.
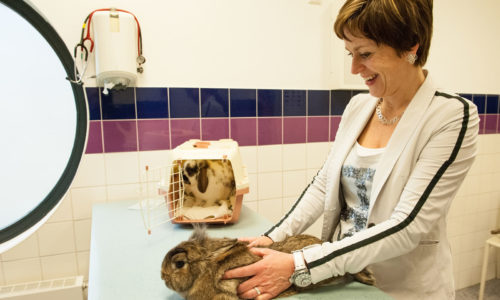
218	150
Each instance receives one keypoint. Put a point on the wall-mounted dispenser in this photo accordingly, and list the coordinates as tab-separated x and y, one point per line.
115	34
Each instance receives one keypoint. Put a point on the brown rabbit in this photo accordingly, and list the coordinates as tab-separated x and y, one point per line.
194	268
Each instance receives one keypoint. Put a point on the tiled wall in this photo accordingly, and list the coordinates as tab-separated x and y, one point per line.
284	135
145	119
162	118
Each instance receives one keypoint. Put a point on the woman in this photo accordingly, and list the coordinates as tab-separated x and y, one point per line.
399	157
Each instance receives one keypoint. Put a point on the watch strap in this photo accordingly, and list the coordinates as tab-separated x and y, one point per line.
298	259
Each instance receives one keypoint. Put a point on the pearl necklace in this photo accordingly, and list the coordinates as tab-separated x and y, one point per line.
381	117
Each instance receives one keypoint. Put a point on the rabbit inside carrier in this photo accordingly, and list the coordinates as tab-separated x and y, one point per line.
194	268
209	188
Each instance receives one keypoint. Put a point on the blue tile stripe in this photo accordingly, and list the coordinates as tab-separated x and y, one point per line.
161	103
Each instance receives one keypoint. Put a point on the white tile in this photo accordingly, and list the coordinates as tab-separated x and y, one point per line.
57	266
455	279
493	201
294	182
492	254
84	198
453	227
91	171
458	206
477	165
491	271
294	157
64	211
466	242
494	219
249	157
486	183
317	154
123	192
271	209
270	185
2	280
269	158
56	238
489	143
122	167
83	259
482	221
456	263
253	184
481	144
469	190
154	159
471	259
310	175
487	163
22	270
26	249
455	245
470	187
469	277
154	165
82	234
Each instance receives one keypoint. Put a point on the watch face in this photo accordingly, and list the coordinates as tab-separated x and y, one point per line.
302	279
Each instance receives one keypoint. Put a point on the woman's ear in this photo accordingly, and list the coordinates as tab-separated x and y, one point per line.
414	49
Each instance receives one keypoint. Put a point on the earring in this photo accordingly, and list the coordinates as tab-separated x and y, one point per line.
411	58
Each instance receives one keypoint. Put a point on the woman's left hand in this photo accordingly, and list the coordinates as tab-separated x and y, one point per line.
270	275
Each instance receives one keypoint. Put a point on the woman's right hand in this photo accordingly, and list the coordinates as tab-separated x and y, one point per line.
257	241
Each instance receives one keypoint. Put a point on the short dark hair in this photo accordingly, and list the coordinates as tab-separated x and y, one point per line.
400	24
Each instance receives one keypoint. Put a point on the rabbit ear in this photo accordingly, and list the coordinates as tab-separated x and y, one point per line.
202	177
224	252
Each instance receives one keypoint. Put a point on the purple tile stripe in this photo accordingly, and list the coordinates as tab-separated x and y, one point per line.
214	129
334	126
244	131
153	134
317	129
120	136
294	130
482	121
94	141
183	130
269	130
490	124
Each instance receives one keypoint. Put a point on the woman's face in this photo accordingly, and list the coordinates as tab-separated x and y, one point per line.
382	70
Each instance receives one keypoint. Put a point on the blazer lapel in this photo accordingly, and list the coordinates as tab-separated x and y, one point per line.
400	137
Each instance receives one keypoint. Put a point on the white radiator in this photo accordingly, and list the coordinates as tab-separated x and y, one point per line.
70	288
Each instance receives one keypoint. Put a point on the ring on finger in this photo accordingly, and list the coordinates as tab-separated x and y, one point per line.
257	290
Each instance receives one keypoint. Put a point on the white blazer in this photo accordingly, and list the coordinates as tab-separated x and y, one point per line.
419	174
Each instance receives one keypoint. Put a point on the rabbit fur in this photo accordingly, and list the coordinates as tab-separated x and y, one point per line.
207	182
194	268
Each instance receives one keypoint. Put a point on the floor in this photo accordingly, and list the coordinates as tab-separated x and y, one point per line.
491	291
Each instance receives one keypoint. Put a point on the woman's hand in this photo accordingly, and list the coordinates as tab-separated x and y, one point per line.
270	275
257	241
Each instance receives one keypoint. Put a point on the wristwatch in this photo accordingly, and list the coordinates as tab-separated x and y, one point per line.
301	277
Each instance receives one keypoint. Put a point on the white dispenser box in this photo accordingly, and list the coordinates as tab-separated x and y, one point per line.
116	42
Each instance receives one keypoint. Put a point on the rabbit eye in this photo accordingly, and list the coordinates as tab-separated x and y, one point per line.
179	264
